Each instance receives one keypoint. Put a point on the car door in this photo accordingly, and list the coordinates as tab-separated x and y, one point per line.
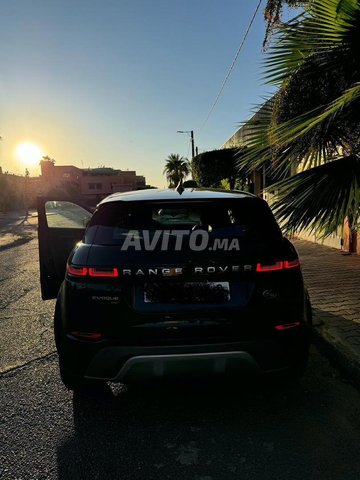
61	224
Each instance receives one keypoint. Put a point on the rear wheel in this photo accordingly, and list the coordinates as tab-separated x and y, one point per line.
297	366
300	365
77	382
72	379
301	360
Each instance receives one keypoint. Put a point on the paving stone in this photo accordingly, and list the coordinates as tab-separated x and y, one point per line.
333	281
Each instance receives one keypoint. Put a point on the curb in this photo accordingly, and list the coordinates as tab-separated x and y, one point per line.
338	354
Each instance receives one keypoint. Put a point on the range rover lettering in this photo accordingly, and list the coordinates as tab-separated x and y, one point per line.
167	283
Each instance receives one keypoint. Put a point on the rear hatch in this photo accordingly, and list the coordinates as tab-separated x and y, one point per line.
177	266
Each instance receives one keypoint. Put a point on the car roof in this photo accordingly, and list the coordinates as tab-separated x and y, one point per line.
170	194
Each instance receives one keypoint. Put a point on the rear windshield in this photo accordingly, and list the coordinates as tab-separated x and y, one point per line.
112	222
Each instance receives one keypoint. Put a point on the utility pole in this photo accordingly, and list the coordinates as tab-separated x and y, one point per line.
191	132
25	198
192	144
26	194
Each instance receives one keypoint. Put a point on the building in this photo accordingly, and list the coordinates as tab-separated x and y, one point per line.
85	186
88	185
241	138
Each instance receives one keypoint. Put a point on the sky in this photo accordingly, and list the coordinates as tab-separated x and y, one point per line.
109	82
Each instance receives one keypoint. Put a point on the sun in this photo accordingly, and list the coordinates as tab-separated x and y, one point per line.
29	154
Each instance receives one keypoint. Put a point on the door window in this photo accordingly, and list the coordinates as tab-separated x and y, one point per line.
66	215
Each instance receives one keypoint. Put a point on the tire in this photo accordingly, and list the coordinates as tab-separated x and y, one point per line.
301	362
298	369
75	382
71	379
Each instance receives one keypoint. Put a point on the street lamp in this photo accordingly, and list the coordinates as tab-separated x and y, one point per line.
191	132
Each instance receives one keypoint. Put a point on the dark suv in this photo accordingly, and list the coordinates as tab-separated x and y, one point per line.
159	283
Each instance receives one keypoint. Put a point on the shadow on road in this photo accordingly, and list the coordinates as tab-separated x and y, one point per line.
254	429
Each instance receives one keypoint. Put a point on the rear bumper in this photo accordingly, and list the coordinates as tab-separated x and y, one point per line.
143	367
132	363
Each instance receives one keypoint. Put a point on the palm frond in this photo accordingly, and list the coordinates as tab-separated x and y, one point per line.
293	129
256	138
325	26
311	138
330	134
320	198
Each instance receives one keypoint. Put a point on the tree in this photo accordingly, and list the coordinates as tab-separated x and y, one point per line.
177	168
47	158
210	168
273	11
313	124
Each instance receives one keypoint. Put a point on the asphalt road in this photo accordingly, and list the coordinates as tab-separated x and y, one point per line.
244	430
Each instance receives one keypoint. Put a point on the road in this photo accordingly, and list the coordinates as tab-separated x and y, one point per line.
245	430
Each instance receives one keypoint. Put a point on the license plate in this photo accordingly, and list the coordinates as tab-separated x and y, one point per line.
188	292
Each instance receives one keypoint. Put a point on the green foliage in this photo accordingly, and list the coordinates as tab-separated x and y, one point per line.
177	168
314	120
225	184
209	169
190	184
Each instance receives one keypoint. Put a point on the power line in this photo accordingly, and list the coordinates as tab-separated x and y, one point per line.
231	66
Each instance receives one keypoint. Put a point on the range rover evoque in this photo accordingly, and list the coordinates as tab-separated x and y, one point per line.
160	283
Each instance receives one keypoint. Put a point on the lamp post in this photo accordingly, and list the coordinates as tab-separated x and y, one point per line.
191	132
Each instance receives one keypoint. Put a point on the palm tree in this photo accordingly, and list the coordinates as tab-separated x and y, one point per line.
313	124
177	168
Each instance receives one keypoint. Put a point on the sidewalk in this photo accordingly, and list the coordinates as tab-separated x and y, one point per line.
333	281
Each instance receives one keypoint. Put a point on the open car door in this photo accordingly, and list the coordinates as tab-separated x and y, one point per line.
61	224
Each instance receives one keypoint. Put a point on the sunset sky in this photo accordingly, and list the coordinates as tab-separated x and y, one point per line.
109	82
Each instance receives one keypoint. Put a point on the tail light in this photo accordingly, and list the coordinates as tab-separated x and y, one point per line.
103	272
261	267
291	263
79	271
279	265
